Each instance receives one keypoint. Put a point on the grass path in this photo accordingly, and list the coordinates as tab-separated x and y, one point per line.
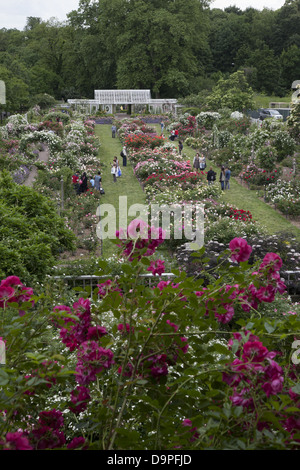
126	185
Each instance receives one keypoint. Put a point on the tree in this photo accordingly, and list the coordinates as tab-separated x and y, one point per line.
268	70
159	45
290	65
17	94
287	26
228	33
233	93
32	22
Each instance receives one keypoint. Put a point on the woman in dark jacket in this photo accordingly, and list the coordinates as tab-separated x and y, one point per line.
83	184
222	178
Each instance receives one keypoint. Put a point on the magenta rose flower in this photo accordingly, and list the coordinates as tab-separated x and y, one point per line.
240	250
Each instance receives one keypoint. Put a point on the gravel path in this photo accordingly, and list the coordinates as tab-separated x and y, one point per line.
43	157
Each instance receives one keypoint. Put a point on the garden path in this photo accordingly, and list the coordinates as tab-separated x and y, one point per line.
126	185
43	157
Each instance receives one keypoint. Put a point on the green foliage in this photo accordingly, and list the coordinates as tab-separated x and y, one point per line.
43	100
293	122
54	115
31	233
233	93
267	156
136	403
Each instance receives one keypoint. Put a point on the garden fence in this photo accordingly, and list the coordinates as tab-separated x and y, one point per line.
291	279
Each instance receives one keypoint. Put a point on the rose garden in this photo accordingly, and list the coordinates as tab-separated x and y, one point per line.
173	349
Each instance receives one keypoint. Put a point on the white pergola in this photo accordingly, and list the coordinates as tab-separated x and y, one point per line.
138	99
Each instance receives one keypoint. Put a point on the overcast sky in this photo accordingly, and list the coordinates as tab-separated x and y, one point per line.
13	13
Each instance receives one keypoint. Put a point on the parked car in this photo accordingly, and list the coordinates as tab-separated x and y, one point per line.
269	113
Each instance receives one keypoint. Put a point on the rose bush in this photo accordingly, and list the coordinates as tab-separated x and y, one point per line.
158	367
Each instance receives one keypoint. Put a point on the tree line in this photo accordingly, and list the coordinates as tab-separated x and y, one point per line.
174	48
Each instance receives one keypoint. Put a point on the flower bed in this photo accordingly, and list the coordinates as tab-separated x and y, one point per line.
259	176
143	140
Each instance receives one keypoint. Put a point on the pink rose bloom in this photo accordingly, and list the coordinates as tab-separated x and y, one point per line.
254	351
271	260
157	267
225	317
15	441
138	229
77	442
240	250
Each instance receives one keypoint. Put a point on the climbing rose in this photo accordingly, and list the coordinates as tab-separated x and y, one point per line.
157	267
15	441
240	250
272	261
77	442
79	397
53	419
13	290
92	359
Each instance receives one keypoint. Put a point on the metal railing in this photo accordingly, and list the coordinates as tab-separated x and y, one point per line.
291	279
92	281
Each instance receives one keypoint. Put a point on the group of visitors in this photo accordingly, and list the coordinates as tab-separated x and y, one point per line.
83	183
174	134
225	178
199	163
115	167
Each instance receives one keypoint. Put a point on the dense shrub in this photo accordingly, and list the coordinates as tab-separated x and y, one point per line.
31	232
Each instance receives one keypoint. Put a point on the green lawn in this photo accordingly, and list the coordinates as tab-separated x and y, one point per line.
263	101
126	185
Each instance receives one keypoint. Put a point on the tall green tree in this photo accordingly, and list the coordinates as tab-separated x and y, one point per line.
290	65
17	92
233	93
158	44
267	70
287	26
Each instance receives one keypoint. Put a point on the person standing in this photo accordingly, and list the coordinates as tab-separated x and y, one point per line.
91	182
114	171
124	156
196	161
83	183
98	181
116	161
113	131
180	147
222	178
211	176
162	125
227	177
202	163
